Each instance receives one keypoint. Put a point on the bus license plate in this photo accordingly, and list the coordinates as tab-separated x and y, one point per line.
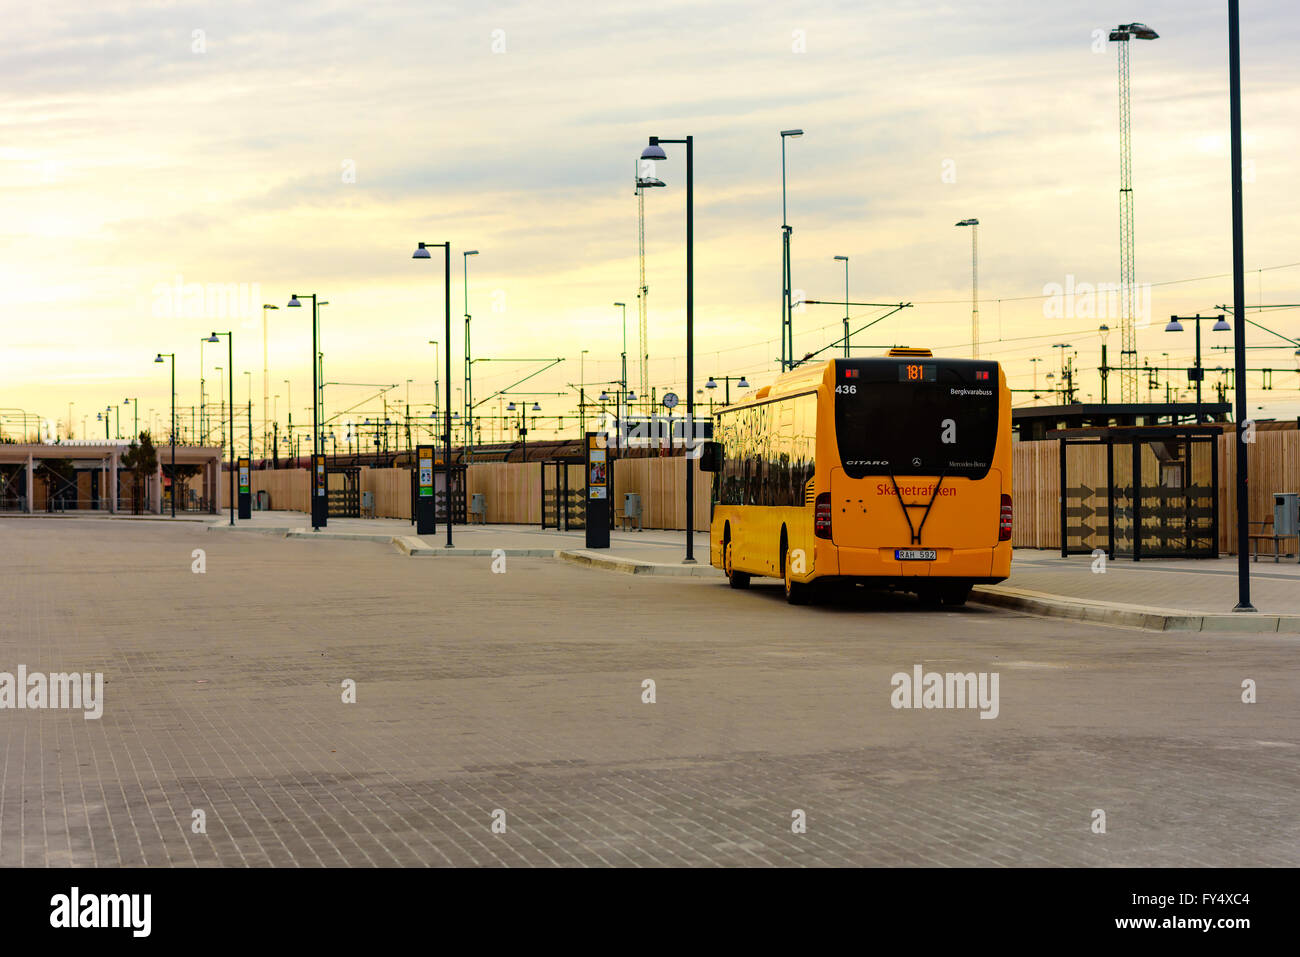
915	554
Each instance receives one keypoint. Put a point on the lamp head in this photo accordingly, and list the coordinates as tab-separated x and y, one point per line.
968	222
536	407
792	133
1174	325
743	383
213	338
710	384
159	358
604	397
842	258
1221	326
654	151
420	252
470	252
267	305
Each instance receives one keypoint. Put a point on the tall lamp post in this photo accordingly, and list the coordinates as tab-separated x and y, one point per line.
845	260
787	310
295	303
266	382
422	252
974	224
230	379
469	377
623	378
654	151
1239	307
1197	373
159	358
135	411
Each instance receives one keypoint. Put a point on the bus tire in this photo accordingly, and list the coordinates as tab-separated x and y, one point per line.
796	593
735	579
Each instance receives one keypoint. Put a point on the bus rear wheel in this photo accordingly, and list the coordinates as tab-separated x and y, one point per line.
796	593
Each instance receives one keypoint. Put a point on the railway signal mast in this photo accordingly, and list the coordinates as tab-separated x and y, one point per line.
1127	281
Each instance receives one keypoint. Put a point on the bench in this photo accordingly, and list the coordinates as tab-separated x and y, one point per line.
1257	538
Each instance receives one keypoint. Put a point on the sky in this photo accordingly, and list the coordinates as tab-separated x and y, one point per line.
306	147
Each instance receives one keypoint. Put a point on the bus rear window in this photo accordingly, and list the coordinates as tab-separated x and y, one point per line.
904	417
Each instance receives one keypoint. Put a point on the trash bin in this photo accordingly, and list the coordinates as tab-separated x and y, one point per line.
263	500
478	507
367	504
632	509
1286	513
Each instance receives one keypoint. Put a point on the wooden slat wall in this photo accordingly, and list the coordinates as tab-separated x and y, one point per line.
514	489
1273	465
392	489
1035	493
287	487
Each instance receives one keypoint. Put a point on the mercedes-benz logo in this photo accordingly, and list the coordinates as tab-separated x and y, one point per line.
916	463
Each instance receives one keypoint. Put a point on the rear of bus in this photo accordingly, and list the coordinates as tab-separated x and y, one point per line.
914	476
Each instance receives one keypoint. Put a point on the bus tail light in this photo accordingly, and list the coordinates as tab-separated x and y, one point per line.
1004	527
822	515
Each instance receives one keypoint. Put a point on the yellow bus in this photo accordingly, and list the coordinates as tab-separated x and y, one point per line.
892	471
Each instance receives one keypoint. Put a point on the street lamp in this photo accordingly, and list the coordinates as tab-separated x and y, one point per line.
654	151
741	383
787	311
845	260
974	224
230	380
135	411
319	504
1197	374
469	377
159	358
422	252
266	381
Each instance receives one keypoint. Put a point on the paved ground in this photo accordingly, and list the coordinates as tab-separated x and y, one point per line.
522	692
1207	585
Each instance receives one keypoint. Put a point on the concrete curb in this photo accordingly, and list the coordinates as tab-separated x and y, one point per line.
632	566
1132	616
406	544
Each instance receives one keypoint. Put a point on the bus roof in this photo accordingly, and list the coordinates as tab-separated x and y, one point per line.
810	375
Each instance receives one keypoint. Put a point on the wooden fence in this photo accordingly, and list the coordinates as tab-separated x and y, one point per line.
1274	466
514	489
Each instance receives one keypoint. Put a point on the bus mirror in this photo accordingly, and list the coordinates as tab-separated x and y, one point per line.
711	457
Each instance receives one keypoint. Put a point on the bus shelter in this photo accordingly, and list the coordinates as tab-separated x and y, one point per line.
1140	492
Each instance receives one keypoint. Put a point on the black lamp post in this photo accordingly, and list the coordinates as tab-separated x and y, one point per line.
1239	307
172	356
654	151
422	252
230	381
317	520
